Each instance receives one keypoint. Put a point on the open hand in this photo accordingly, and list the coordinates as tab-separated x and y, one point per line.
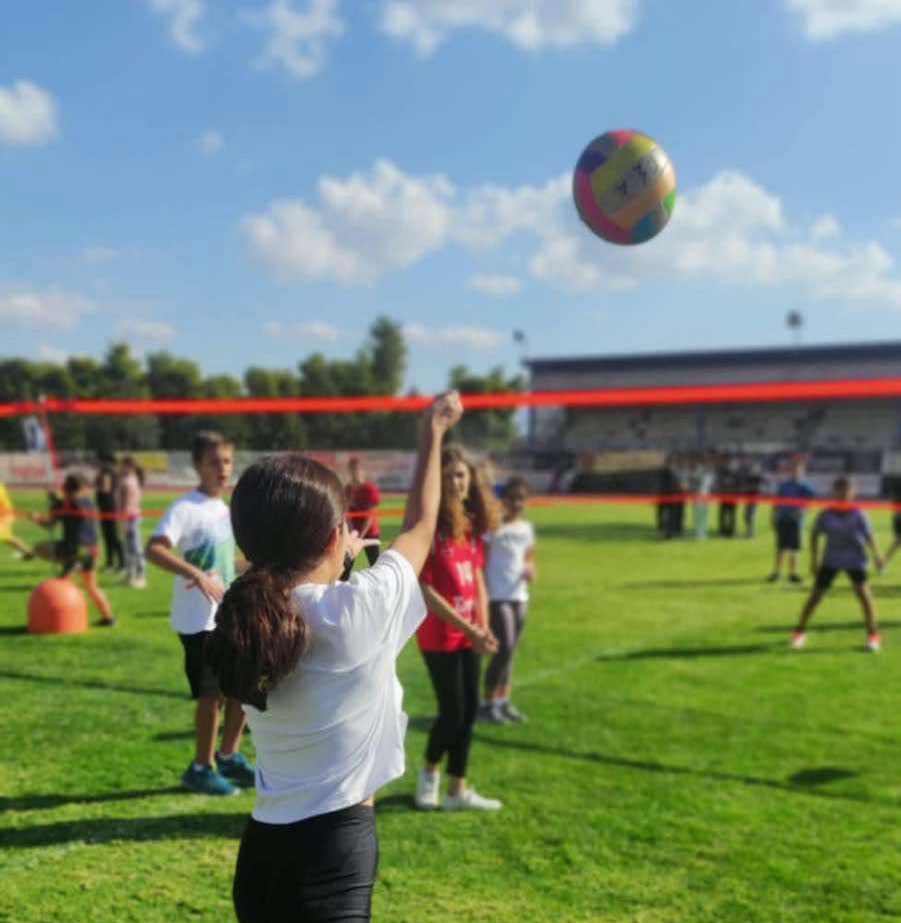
355	544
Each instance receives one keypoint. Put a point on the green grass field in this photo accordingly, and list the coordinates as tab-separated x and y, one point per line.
681	764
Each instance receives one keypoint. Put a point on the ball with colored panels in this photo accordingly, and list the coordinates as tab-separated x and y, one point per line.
624	187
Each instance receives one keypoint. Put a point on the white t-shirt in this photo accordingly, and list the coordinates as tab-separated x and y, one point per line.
506	549
199	528
333	731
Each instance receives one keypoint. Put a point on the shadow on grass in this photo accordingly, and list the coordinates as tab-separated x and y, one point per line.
43	802
394	804
90	684
826	626
17	587
13	630
805	781
107	830
174	735
668	653
161	614
689	584
599	532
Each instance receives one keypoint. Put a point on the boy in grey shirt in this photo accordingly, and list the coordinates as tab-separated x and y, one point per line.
848	538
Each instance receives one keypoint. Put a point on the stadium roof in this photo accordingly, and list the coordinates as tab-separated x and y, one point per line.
787	355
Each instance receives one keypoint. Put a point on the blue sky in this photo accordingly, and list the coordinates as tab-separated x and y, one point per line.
246	182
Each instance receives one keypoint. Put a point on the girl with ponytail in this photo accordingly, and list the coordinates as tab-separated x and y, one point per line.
313	660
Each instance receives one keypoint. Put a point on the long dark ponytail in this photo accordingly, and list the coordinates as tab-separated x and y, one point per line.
284	510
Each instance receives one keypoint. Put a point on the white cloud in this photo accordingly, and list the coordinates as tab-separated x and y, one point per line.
474	337
299	38
729	230
827	19
146	332
308	330
184	18
363	226
528	24
210	143
496	286
50	353
825	227
53	307
27	114
97	255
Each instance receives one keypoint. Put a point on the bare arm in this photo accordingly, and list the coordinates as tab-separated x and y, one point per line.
483	641
482	591
530	571
421	514
873	545
159	551
815	552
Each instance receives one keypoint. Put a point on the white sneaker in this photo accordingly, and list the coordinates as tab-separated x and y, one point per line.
797	640
426	796
874	643
138	583
470	800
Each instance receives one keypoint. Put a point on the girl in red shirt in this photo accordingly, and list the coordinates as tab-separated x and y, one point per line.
455	632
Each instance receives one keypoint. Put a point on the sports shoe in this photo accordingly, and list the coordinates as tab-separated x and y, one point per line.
470	800
874	642
492	713
106	622
512	713
206	781
773	577
795	578
426	796
138	583
237	768
797	640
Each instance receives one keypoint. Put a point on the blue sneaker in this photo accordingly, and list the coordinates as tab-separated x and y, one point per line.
206	781
237	768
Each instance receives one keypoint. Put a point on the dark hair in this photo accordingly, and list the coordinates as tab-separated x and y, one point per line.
129	462
516	485
842	482
284	510
478	513
203	441
73	483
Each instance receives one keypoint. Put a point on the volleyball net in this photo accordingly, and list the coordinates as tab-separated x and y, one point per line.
585	471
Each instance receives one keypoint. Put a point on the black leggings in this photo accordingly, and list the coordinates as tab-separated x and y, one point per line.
318	870
507	621
372	555
115	553
455	678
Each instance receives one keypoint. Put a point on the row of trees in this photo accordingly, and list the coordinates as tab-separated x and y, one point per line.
378	368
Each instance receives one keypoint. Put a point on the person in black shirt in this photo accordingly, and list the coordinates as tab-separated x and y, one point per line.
77	549
106	491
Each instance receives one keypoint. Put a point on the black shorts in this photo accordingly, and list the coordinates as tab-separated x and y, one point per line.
896	525
788	535
825	576
84	557
319	869
201	678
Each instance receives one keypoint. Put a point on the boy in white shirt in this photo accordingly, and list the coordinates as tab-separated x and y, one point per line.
509	570
194	541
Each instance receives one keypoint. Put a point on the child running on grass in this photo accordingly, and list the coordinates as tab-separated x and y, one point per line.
194	541
848	536
508	573
455	632
314	659
77	549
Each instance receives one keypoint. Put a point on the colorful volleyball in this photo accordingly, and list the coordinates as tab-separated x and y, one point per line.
624	187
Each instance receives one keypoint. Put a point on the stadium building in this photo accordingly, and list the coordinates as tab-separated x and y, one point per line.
855	434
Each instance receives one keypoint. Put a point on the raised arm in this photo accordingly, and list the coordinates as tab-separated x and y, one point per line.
421	514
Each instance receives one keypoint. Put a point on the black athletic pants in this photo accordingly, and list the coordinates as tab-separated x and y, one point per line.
455	679
318	870
372	555
115	553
